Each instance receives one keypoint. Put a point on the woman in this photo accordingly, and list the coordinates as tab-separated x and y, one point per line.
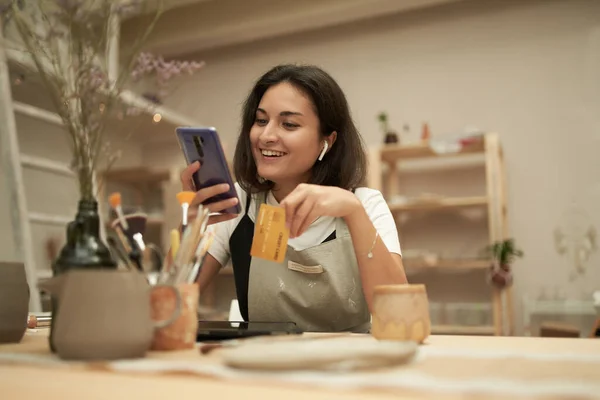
299	149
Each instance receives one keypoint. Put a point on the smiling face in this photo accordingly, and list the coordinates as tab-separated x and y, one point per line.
285	136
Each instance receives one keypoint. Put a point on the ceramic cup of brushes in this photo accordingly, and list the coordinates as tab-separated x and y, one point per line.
181	334
401	312
106	314
188	251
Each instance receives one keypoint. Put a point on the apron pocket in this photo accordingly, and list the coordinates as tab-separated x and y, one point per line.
306	269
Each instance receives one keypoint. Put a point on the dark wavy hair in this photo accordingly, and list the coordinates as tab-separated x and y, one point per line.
345	164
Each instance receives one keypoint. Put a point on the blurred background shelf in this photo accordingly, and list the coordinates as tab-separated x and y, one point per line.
453	212
441	204
393	153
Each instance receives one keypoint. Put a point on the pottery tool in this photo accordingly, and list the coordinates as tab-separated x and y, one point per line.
117	247
115	202
136	223
185	199
132	253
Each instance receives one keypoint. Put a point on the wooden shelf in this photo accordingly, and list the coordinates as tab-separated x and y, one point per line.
444	203
461	330
136	175
393	153
448	263
484	148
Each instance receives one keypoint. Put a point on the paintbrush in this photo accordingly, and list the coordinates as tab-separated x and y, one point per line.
136	223
175	241
115	202
134	234
116	245
185	199
189	245
192	265
200	254
168	274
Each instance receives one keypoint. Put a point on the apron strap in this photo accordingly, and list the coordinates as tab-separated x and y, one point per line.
248	201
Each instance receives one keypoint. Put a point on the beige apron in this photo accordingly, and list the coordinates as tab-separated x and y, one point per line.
318	288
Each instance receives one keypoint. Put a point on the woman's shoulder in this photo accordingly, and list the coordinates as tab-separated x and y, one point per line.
366	194
372	200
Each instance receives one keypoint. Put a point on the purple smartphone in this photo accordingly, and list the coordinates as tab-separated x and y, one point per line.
203	144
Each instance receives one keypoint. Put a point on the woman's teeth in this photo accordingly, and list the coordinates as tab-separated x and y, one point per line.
272	153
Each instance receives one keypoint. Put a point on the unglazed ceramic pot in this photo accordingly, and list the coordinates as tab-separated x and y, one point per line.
14	302
401	312
105	314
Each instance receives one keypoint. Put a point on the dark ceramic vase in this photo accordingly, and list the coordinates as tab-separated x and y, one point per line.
84	249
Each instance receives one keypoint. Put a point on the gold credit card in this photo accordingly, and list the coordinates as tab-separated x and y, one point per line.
270	234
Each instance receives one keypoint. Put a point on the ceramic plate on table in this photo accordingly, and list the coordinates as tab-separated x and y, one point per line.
345	353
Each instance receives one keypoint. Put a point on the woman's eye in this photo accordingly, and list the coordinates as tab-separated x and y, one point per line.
289	125
260	121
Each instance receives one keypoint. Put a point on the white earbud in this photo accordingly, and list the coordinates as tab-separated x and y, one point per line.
325	147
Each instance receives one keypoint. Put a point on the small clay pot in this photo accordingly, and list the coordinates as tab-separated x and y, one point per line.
401	312
501	277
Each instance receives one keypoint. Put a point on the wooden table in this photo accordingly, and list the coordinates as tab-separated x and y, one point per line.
576	360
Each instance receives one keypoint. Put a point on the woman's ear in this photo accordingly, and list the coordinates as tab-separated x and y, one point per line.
327	143
331	139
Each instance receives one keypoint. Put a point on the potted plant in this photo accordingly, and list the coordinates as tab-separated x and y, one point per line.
503	253
390	136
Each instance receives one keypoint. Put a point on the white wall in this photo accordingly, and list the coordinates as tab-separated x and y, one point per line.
529	70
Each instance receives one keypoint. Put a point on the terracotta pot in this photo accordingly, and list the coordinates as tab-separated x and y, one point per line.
501	277
182	333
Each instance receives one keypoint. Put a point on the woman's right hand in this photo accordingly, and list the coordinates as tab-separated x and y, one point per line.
204	194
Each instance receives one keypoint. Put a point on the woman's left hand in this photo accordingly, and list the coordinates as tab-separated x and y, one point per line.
308	202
